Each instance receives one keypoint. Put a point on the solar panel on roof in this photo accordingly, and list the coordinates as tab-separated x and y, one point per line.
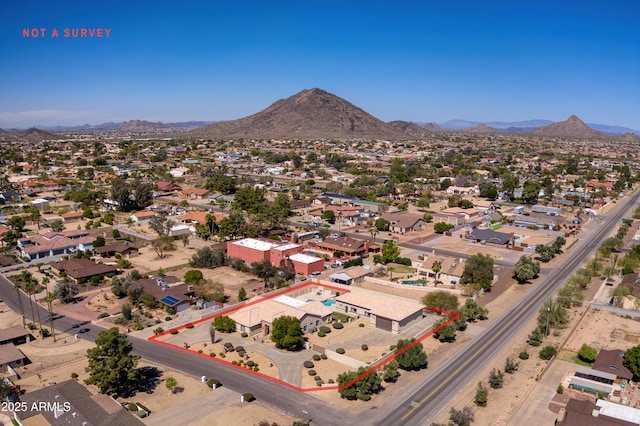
170	300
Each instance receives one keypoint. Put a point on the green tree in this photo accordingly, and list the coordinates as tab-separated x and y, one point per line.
362	388
207	258
242	294
570	295
98	242
121	194
265	270
553	314
171	384
65	290
472	311
233	226
390	251
328	214
587	353
482	395
530	191
525	269
163	244
382	224
442	227
224	323
390	371
496	378
56	225
619	294
413	358
112	368
16	223
427	217
440	300
548	352
287	333
478	271
126	312
210	290
447	333
632	361
193	276
143	195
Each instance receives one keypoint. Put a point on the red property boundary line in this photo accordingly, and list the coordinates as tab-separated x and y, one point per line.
154	339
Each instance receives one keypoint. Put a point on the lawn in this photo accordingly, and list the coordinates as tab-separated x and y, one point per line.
573	357
401	269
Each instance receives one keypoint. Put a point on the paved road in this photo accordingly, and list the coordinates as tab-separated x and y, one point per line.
422	404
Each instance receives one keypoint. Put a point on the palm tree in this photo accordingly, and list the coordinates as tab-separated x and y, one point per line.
29	286
50	298
373	231
35	285
17	286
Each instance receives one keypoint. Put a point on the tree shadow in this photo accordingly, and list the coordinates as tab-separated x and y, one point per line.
150	377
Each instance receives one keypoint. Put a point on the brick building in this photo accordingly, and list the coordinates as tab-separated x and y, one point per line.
253	250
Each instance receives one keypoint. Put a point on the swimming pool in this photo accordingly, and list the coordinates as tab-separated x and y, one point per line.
329	302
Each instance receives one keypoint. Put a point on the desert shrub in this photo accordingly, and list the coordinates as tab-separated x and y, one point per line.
132	407
338	325
103	315
168	318
137	326
256	369
364	347
189	325
510	366
340	351
363	396
74	375
212	354
174	331
331	381
524	355
241	354
308	364
560	389
251	363
361	324
312	372
244	335
211	382
392	347
319	382
325	329
200	351
248	397
547	352
321	333
240	348
323	356
316	357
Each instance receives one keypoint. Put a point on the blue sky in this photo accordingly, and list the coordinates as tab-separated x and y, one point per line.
410	60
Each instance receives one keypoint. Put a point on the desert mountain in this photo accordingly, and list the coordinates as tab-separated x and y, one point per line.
630	137
573	127
2	131
481	128
432	127
32	135
309	114
410	128
140	126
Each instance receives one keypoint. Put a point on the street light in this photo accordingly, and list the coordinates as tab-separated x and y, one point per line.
546	330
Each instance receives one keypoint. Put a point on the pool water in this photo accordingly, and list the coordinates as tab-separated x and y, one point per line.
329	302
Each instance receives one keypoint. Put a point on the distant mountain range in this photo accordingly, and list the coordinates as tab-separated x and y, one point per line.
317	114
529	126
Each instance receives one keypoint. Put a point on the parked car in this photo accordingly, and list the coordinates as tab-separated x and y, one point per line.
315	274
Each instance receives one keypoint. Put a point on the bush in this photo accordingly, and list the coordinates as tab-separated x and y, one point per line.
212	354
364	347
331	381
189	326
587	353
325	329
560	389
323	356
312	372
74	375
524	355
168	318
510	366
248	397
132	407
337	325
321	333
363	396
240	348
361	324
174	331
244	335
403	261
316	357
251	364
137	326
308	364
211	382
103	315
547	352
340	351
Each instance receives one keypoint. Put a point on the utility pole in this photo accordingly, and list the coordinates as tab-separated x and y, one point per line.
546	330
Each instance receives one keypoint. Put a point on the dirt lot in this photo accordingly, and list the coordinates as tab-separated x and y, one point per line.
233	280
